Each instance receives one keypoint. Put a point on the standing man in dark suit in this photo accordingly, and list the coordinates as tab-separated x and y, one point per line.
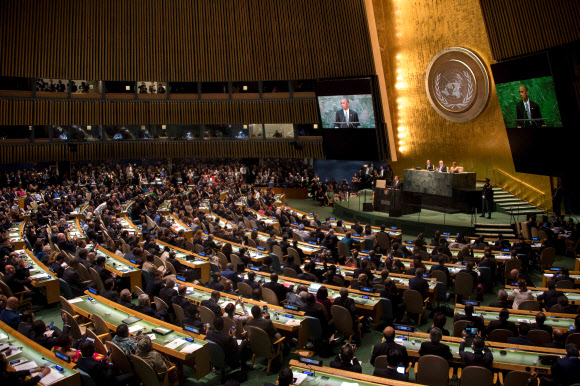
396	183
528	113
486	199
435	347
346	118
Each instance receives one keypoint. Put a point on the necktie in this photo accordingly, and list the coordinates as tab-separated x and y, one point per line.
346	116
528	110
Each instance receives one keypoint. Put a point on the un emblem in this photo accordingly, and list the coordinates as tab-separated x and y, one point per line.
457	84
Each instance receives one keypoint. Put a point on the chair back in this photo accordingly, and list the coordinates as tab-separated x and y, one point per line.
179	314
252	243
312	328
65	289
217	355
235	260
228	323
386	311
260	342
170	268
118	358
223	261
342	320
86	379
525	230
5	289
296	237
276	267
290	272
101	327
383	241
433	371
413	300
547	257
160	304
321	307
440	276
564	284
139	291
97	280
535	233
476	376
270	297
189	245
206	315
381	362
158	262
198	248
500	335
277	251
425	256
511	264
293	252
99	346
310	277
574	338
530	305
146	374
459	327
264	245
343	250
517	378
83	272
65	305
75	331
539	337
338	281
463	284
245	290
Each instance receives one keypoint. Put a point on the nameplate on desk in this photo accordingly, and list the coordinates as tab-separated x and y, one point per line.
400	327
310	361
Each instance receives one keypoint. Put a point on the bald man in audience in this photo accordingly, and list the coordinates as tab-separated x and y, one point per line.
389	344
10	314
15	283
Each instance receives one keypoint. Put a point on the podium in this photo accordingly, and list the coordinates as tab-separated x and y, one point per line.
395	202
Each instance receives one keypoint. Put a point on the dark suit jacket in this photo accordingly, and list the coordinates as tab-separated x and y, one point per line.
566	371
227	343
443	168
383	349
543	327
126	304
26	329
166	294
352	119
209	303
74	281
507	325
522	114
15	284
520	340
17	378
98	370
550	297
439	349
184	303
484	359
111	295
419	284
389	373
266	325
347	303
147	310
154	288
278	289
353	366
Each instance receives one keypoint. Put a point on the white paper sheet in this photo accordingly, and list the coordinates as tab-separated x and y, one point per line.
190	348
52	377
14	351
75	300
293	322
151	336
135	327
349	384
300	377
26	366
175	344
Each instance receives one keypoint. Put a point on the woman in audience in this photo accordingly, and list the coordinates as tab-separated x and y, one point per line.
64	345
126	343
158	363
322	298
521	294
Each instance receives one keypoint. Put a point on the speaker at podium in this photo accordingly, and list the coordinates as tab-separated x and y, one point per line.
395	202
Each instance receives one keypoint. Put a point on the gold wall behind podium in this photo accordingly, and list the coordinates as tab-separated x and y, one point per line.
411	33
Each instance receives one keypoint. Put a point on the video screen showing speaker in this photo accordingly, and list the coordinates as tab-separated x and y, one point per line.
529	104
347	117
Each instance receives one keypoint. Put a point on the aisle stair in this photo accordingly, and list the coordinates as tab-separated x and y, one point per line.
508	203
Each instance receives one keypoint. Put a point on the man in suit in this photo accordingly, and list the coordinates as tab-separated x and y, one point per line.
109	291
539	325
226	341
419	284
230	274
155	285
311	310
251	280
348	303
125	299
181	300
389	344
144	306
215	284
486	199
104	274
428	166
476	321
14	283
264	323
279	289
74	281
98	370
522	339
528	113
168	292
442	168
481	355
435	347
346	118
396	183
566	371
502	323
10	314
212	303
346	360
394	359
290	263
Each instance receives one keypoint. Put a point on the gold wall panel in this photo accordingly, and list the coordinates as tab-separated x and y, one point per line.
411	32
157	149
184	40
59	112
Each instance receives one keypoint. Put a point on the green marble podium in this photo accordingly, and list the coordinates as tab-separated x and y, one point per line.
436	183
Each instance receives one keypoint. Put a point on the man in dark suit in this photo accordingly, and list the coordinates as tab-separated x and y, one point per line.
74	281
155	285
346	302
522	339
230	274
279	289
394	359
264	323
429	166
13	282
481	355
98	370
310	309
104	274
168	292
396	183
125	299
502	323
181	300
251	281
144	306
389	344
109	291
435	347
212	303
486	199
215	283
226	341
419	284
476	321
442	168
528	113
539	325
346	118
566	371
346	360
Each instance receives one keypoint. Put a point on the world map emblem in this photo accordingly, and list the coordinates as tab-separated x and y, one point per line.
457	84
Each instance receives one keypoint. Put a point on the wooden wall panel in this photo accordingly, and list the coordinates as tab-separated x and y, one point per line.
157	149
71	112
518	27
184	40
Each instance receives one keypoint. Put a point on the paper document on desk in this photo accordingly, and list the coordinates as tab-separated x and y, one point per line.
76	300
3	336
175	344
39	276
300	377
524	321
190	348
349	384
135	327
52	377
293	323
26	366
14	350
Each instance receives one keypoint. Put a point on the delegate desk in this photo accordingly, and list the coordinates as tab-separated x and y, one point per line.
327	376
573	295
554	320
453	268
75	230
191	260
193	354
548	275
366	301
16	235
521	358
289	321
120	267
41	276
34	352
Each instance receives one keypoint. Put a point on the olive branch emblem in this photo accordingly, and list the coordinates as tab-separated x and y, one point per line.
466	99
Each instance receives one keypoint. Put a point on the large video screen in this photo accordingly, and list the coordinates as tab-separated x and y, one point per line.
347	118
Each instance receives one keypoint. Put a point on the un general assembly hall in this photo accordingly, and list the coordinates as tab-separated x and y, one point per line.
289	192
